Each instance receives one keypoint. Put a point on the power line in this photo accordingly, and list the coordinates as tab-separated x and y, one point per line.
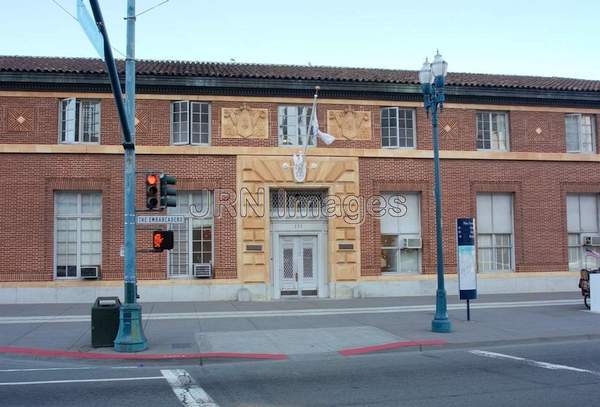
152	8
75	18
64	9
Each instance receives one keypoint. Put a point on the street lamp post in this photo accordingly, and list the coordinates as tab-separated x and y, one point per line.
432	77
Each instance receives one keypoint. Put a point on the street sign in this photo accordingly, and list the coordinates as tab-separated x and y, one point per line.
90	28
147	220
467	270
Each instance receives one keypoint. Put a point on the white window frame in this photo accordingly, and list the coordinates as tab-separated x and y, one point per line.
78	217
399	236
70	113
280	116
189	219
493	235
189	125
491	115
584	261
397	127
580	143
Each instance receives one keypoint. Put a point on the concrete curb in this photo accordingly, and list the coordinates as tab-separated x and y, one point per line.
391	346
53	353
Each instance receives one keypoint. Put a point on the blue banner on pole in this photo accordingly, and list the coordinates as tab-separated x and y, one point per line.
90	28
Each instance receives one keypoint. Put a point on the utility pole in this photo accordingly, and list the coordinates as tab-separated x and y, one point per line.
131	335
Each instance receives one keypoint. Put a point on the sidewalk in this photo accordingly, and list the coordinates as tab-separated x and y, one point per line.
300	328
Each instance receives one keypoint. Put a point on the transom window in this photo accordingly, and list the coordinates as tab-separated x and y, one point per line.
398	127
401	234
78	232
193	239
580	133
494	232
300	203
190	123
79	121
293	125
492	131
582	221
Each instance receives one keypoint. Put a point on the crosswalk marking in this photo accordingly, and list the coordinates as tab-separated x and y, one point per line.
188	392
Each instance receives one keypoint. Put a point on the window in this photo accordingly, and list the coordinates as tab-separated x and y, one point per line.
293	125
580	133
398	127
190	123
78	230
193	239
79	121
494	232
492	131
297	203
582	221
396	227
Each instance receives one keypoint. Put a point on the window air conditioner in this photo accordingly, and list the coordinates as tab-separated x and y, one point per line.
412	243
591	241
202	270
90	272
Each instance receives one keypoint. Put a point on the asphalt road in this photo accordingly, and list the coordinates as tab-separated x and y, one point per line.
540	374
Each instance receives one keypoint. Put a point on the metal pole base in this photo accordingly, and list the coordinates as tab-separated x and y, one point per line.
440	322
441	325
131	334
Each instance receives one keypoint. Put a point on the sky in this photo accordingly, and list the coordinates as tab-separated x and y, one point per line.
528	37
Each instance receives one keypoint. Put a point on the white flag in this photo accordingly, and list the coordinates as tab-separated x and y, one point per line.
325	137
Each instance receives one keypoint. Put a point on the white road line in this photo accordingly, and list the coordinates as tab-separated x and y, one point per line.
544	365
42	369
188	392
287	313
115	379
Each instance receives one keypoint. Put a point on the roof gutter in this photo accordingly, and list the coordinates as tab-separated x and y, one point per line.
160	84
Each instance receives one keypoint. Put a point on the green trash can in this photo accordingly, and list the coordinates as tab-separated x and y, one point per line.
105	321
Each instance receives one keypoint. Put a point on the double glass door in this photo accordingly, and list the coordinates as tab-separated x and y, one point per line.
298	265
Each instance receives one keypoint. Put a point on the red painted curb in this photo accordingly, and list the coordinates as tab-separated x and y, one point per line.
138	356
391	345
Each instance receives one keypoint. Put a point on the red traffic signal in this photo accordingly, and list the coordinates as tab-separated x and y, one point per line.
162	240
152	196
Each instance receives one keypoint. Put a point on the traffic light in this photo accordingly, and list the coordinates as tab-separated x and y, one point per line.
162	240
168	194
152	197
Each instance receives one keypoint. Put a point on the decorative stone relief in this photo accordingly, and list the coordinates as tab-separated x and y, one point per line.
349	124
245	122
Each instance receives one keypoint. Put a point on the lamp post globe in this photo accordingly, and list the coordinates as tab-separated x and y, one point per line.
425	74
439	67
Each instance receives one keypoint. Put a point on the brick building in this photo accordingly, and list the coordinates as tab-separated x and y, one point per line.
518	153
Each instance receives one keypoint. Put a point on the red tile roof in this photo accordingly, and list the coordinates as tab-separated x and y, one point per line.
27	64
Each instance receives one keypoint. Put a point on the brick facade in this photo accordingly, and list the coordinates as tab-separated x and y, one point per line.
28	210
539	187
539	201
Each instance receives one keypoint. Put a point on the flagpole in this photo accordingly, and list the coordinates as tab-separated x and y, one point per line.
310	122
